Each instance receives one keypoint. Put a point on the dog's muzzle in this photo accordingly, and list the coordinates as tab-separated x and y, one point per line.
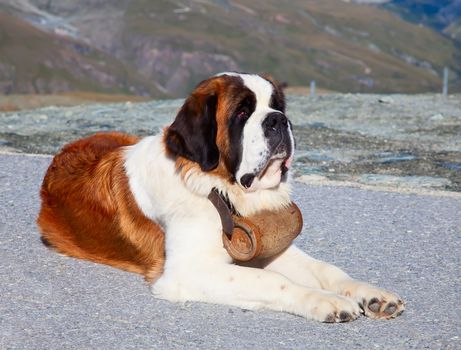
274	167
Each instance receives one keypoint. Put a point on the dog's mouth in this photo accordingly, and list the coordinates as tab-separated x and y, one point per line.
279	163
270	175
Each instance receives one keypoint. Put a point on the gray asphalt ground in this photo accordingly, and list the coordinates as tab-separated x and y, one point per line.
408	243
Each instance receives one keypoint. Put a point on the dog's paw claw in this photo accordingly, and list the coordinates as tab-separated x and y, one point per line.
331	318
374	302
374	305
384	307
345	316
391	308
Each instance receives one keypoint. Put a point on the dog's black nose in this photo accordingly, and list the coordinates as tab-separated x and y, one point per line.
246	180
275	121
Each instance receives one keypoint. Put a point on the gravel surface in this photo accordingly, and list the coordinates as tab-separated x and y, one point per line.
408	243
400	141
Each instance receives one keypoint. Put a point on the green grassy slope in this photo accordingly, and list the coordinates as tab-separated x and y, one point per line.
33	61
343	46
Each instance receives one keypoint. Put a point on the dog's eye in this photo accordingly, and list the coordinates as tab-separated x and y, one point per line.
242	114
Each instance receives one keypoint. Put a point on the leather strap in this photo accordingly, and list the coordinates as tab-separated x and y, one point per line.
261	235
224	212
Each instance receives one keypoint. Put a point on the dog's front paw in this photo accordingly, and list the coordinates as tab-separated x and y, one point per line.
374	302
330	308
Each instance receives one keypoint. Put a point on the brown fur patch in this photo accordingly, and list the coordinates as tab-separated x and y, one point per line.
229	92
89	212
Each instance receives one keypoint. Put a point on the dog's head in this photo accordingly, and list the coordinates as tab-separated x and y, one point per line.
234	125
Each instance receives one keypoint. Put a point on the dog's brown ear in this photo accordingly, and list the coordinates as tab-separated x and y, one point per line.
193	133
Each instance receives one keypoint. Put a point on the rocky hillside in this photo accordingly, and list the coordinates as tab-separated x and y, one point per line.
344	46
34	61
442	15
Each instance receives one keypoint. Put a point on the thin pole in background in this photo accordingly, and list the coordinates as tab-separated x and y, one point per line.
312	94
445	81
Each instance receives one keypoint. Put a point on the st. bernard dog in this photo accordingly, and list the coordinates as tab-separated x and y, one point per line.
141	205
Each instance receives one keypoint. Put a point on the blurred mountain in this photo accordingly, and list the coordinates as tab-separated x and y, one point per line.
34	61
172	44
442	15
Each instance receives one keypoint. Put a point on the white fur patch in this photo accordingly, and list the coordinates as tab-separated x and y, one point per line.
198	268
255	148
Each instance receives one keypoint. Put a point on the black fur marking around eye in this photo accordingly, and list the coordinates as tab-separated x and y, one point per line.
277	99
246	107
236	124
